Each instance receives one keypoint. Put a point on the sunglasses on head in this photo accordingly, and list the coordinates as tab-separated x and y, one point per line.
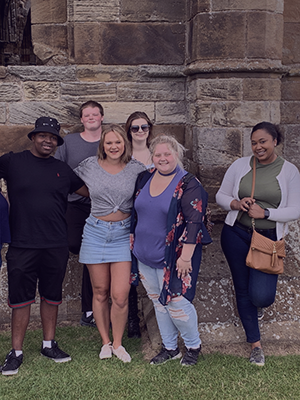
136	128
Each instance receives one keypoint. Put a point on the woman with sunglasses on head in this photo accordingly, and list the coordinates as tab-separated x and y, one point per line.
110	177
275	202
139	132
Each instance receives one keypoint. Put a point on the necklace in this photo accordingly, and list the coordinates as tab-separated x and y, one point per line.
177	169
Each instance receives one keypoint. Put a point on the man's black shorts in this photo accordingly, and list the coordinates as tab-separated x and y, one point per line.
26	267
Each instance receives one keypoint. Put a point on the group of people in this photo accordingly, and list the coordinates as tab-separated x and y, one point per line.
123	201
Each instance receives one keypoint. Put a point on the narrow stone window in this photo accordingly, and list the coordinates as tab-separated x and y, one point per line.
15	33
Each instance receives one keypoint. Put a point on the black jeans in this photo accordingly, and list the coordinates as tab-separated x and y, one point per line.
76	215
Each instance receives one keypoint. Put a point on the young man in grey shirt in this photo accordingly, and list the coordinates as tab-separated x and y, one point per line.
76	148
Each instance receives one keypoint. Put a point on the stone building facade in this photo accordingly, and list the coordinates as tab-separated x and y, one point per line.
205	71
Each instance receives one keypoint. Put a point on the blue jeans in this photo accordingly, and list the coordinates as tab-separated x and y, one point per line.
178	316
252	288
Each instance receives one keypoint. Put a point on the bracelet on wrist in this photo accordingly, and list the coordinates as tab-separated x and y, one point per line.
184	260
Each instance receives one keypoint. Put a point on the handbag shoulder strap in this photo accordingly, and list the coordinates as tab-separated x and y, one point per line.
253	177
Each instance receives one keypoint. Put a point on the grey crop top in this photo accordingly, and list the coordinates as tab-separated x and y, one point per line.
109	193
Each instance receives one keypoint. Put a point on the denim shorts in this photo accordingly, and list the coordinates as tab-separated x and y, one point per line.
105	242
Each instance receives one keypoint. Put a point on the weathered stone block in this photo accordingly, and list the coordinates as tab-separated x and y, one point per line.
292	138
143	43
291	11
214	300
267	5
290	89
215	89
41	90
50	41
42	73
199	113
217	36
3	72
216	146
103	73
118	112
291	43
247	149
174	112
178	131
240	113
265	42
290	112
96	11
198	6
86	43
48	11
10	92
2	113
14	138
28	111
153	10
171	90
261	89
275	116
85	91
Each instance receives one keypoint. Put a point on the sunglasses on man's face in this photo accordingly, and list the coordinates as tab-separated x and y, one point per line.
136	128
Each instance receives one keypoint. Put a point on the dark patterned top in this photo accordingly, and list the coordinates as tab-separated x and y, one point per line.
184	225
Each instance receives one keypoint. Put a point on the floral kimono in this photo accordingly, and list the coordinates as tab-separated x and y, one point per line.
184	225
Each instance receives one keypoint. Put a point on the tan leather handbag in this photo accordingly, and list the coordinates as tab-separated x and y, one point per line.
265	254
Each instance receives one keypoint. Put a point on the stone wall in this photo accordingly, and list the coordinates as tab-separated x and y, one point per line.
204	70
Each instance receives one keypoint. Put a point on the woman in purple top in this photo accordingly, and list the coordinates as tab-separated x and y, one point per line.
167	236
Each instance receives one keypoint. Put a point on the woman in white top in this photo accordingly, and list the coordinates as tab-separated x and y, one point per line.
110	178
275	202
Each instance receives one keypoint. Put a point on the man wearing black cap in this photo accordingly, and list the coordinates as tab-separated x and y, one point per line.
38	186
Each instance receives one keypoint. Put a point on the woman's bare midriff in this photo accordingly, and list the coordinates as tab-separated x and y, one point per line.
114	217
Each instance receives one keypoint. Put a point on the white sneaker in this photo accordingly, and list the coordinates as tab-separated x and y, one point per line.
106	351
122	354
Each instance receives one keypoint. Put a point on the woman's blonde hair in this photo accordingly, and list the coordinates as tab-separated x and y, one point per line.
119	131
173	145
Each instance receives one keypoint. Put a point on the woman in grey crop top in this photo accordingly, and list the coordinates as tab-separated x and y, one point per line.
110	177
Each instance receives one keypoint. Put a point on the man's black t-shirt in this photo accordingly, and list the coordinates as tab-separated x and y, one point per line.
38	191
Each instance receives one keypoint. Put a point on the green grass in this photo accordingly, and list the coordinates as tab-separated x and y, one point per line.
86	377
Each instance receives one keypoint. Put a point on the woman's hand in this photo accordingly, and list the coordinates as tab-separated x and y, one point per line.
243	204
256	212
183	267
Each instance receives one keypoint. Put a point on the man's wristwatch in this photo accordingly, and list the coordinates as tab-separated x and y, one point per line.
267	213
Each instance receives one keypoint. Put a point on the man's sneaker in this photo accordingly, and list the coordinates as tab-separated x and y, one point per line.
55	353
260	313
165	355
12	363
257	356
88	321
190	357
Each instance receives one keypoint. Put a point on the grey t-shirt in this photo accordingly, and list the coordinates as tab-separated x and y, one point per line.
73	151
109	192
